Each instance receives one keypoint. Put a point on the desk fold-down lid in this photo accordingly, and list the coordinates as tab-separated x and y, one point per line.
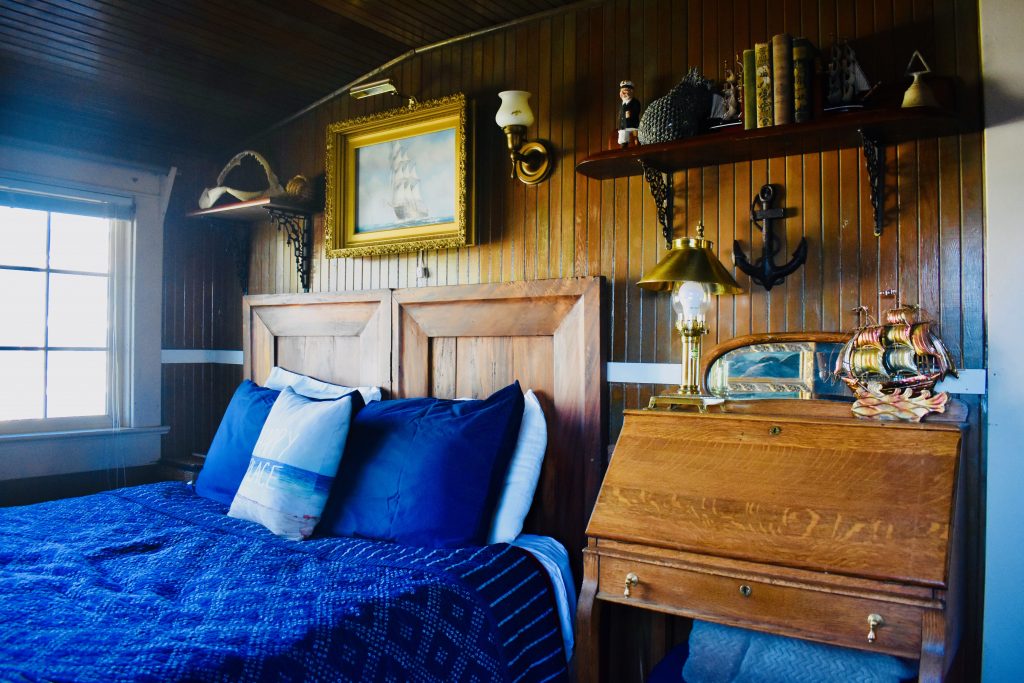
846	496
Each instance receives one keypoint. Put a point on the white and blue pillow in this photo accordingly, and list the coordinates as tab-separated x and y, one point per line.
294	463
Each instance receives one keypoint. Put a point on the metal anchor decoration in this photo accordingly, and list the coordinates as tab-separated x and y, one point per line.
764	271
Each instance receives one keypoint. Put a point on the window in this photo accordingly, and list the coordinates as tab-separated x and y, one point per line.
57	247
58	337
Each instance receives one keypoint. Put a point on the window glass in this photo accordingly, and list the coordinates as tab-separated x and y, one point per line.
79	243
78	310
23	237
22	307
76	383
22	395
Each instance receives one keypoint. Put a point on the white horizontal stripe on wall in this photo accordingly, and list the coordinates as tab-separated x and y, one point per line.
971	380
225	357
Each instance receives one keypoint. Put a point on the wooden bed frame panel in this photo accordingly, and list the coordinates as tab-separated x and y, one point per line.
339	338
462	341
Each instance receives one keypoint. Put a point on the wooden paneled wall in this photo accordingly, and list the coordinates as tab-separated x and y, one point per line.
931	249
202	310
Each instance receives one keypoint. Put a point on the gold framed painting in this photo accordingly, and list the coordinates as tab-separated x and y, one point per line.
400	180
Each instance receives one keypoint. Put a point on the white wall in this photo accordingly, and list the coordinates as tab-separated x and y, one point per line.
1003	71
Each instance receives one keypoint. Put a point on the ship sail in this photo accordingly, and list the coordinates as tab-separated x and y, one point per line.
406	200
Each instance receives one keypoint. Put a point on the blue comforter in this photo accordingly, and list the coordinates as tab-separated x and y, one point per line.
153	583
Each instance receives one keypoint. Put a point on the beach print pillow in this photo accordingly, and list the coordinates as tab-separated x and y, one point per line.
294	462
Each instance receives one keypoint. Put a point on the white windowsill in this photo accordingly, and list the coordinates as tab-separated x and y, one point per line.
83	433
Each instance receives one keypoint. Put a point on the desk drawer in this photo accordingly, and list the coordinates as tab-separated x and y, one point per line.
786	610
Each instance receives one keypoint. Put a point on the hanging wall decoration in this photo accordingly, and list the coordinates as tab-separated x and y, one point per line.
400	181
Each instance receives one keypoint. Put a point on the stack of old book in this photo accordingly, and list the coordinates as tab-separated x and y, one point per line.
778	77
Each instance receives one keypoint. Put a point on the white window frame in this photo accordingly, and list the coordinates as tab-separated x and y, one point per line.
118	339
67	445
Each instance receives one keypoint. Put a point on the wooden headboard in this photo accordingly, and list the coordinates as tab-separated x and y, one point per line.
462	341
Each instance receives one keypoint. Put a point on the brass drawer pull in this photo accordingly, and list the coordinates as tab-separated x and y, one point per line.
745	591
874	621
631	580
775	430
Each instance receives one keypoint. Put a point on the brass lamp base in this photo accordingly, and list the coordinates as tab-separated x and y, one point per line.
679	401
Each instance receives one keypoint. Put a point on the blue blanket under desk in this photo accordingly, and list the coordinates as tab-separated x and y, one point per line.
153	583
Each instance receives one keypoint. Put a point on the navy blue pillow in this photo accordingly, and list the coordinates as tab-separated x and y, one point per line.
425	471
231	449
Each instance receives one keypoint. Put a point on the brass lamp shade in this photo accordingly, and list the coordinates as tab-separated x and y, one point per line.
690	260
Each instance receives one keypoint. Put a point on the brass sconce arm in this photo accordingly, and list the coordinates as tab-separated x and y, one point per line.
531	161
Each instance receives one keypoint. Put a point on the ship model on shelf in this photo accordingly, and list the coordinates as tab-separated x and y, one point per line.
893	367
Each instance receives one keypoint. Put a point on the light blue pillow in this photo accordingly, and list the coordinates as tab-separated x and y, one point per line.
294	463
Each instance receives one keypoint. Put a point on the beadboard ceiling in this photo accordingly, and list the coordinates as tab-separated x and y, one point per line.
147	79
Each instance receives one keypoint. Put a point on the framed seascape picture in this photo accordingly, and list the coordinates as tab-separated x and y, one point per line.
791	369
400	180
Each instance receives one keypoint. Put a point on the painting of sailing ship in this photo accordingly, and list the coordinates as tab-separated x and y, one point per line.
400	180
406	182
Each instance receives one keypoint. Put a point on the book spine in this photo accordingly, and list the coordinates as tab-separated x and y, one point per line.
803	79
763	86
782	78
749	90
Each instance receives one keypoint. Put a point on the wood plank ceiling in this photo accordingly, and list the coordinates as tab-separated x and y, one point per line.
150	79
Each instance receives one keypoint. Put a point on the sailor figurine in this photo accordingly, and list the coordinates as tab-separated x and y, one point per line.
629	113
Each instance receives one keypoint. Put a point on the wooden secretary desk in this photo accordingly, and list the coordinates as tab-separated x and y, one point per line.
827	528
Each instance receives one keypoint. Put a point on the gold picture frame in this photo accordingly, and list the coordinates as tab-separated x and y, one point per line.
400	181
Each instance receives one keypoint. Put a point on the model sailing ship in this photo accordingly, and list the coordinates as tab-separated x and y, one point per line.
405	186
893	367
846	80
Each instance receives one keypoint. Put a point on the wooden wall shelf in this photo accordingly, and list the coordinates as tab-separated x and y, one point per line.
296	220
728	145
871	129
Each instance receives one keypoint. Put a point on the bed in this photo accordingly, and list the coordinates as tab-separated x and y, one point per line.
157	583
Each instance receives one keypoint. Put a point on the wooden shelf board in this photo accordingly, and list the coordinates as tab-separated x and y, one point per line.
830	131
252	210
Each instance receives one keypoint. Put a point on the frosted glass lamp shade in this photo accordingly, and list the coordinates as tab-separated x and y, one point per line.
515	109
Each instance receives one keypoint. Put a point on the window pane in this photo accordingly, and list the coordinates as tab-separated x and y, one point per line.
78	310
23	236
76	383
22	395
22	308
79	242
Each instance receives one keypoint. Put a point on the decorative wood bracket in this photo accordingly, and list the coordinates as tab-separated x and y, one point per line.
298	228
874	158
764	271
662	191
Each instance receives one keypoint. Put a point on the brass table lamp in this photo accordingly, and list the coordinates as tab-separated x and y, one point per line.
692	272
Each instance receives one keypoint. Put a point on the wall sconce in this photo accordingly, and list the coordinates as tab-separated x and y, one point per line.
531	161
692	272
382	87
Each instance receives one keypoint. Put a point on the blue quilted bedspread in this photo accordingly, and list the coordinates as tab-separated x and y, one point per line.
153	583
